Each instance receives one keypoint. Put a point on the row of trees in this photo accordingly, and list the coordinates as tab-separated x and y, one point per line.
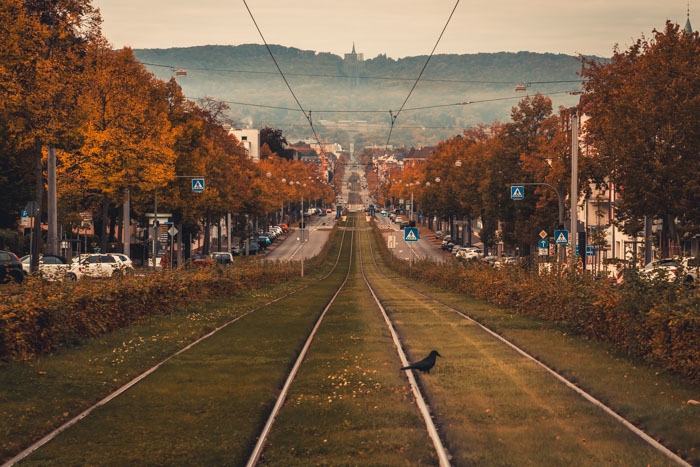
119	132
640	138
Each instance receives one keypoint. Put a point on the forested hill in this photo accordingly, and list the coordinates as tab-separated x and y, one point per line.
337	91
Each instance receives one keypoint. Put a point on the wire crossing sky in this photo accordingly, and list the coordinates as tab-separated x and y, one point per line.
397	28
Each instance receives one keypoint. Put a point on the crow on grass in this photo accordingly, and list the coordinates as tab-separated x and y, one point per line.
426	364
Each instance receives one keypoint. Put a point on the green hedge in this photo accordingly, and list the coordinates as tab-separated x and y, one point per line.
656	321
37	317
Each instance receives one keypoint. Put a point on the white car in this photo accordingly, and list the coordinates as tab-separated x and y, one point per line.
125	261
470	252
103	265
691	267
666	268
53	268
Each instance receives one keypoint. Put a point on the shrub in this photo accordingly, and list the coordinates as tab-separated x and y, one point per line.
656	321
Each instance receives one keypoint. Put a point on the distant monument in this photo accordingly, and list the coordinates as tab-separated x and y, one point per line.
353	65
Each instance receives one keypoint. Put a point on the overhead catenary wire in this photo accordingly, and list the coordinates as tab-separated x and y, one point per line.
408	109
396	115
306	114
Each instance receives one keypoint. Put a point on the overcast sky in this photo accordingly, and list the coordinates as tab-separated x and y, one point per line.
397	28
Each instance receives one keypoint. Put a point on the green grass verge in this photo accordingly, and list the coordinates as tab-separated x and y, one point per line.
350	404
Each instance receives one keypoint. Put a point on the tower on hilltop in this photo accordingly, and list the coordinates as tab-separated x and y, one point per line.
353	64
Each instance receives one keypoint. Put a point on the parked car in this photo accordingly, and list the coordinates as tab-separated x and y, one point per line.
222	257
125	261
691	267
470	253
264	241
202	260
490	260
506	261
102	265
53	268
666	268
10	268
253	248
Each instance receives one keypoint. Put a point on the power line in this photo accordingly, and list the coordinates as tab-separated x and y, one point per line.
394	117
308	116
408	109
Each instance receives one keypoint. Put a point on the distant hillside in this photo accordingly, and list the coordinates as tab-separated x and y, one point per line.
340	93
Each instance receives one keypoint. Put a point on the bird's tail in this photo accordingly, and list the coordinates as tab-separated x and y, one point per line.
409	367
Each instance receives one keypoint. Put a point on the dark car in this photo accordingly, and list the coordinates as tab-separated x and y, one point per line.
10	268
253	248
222	258
264	241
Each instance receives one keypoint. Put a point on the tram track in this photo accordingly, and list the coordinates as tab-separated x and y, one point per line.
425	297
314	378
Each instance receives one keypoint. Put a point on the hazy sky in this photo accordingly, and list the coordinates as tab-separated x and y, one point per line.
397	28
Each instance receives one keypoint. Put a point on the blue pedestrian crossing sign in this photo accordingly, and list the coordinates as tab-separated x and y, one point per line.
198	185
410	234
561	237
517	192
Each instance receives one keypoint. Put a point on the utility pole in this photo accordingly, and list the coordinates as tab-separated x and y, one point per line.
574	183
52	210
126	221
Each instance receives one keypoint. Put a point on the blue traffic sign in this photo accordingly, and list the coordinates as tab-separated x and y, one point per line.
517	192
410	234
561	237
543	243
198	185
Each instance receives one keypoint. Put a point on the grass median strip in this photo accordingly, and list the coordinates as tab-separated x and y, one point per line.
495	407
350	404
203	406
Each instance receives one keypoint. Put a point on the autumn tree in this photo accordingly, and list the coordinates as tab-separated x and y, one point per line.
275	141
47	66
127	145
524	141
643	129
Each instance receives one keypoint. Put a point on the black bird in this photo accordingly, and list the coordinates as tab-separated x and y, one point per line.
426	364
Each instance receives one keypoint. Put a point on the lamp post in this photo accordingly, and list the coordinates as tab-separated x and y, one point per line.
301	234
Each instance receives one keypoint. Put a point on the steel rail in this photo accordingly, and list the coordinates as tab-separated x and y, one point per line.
121	390
440	449
262	437
585	395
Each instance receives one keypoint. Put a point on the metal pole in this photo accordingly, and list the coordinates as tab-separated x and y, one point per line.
126	219
155	229
574	181
51	209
